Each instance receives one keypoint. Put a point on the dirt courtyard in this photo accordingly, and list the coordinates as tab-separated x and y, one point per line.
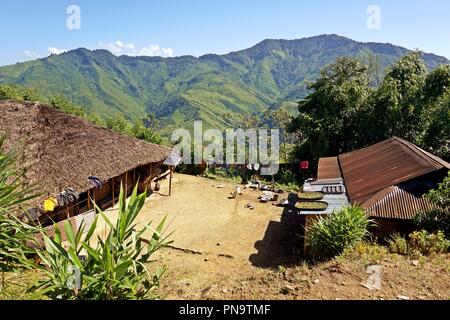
223	250
234	241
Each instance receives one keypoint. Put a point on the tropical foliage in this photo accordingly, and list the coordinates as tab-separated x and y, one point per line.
181	89
116	267
329	236
437	219
14	233
344	111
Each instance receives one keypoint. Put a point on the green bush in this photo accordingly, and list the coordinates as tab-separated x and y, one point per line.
115	268
14	92
427	243
434	221
398	244
191	169
285	176
229	173
329	236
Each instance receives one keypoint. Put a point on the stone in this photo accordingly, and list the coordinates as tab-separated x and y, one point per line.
286	289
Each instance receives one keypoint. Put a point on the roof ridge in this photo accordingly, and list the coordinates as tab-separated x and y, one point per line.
422	152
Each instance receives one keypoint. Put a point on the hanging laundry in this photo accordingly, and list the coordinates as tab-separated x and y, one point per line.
67	196
32	214
304	165
50	204
95	181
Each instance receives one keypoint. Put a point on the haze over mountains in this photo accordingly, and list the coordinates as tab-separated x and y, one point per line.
181	89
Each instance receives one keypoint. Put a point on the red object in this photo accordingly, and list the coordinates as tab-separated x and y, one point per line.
304	165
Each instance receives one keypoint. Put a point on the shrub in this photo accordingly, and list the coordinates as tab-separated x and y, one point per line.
365	252
398	244
329	236
433	221
285	176
113	269
437	219
427	243
191	169
14	92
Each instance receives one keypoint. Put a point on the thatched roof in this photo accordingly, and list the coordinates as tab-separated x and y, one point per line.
62	150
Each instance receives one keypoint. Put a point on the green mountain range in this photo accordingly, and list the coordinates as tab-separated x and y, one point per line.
214	88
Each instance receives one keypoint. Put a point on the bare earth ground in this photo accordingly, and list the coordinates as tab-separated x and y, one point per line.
243	257
238	253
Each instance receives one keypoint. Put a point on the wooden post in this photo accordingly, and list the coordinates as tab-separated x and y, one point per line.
89	199
149	179
112	181
170	182
126	184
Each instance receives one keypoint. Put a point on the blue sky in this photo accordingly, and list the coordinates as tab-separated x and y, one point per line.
31	29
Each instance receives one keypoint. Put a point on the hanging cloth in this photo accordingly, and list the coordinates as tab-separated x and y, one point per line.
304	165
50	204
95	181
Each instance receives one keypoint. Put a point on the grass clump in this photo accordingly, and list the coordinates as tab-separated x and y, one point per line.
331	235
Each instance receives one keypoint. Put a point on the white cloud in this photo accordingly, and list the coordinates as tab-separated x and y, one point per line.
30	54
129	49
53	50
168	52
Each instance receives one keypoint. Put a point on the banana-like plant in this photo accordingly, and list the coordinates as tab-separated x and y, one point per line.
14	233
328	236
114	268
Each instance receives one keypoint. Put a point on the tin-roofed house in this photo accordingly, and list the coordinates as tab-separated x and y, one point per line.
73	161
388	179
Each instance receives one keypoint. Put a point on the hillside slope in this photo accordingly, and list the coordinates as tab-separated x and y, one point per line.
184	88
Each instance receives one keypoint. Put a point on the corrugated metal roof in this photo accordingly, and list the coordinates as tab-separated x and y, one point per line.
397	203
390	162
328	169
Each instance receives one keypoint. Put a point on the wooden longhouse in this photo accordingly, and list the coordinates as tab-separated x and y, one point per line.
62	151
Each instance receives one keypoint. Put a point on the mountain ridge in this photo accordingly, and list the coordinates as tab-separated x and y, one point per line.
211	87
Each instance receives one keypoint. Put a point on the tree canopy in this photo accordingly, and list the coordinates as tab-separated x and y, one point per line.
345	111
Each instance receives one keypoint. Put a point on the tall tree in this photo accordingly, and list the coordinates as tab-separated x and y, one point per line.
397	103
344	112
332	116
